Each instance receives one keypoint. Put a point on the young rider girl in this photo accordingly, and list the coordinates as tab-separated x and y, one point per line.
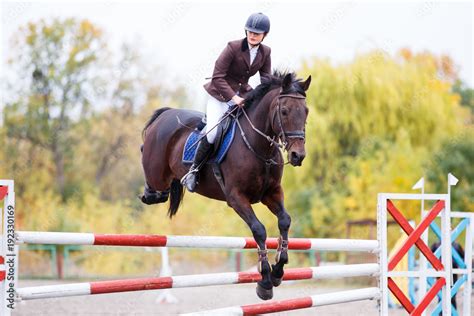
240	60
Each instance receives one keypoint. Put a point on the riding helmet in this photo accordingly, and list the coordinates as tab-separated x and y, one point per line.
258	23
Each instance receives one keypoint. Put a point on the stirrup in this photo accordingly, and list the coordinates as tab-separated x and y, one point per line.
190	172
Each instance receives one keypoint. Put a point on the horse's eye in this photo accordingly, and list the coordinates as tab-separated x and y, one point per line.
284	112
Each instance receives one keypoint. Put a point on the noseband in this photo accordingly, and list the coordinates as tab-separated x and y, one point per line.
283	135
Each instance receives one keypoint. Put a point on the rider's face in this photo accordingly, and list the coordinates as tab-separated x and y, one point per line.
254	38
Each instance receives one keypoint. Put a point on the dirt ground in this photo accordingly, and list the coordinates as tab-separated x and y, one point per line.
190	300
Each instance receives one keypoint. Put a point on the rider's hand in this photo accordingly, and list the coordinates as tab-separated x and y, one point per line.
238	100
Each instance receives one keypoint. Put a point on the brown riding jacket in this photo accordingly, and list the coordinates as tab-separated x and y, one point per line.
233	70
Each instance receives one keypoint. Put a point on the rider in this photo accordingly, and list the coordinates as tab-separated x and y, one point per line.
240	60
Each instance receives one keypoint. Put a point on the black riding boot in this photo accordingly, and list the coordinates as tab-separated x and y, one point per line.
190	180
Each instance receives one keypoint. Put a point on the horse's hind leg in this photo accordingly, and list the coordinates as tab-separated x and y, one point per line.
151	196
242	206
274	202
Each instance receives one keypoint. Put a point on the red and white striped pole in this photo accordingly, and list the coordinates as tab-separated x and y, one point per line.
198	280
321	244
298	303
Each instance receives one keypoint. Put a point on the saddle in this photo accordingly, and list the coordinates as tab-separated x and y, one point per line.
224	138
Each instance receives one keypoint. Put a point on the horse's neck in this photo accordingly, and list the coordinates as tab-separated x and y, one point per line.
261	114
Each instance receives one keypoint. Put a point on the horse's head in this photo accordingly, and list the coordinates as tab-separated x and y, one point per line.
289	113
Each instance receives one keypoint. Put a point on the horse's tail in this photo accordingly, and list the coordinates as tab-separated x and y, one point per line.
152	119
176	196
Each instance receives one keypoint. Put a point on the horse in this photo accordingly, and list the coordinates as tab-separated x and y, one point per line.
273	118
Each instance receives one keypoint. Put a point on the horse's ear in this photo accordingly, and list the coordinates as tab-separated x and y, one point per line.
287	81
305	84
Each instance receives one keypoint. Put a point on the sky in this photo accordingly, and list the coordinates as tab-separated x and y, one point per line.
184	38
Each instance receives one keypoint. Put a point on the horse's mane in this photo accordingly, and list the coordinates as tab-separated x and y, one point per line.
271	82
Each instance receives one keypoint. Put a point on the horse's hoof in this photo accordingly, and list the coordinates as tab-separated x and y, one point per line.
263	293
145	200
275	276
276	281
155	198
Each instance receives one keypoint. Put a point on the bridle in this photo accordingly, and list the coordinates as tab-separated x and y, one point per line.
283	135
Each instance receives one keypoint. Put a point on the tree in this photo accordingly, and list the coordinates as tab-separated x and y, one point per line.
59	62
466	94
456	156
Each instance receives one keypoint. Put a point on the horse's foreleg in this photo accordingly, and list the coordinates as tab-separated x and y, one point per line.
242	206
275	203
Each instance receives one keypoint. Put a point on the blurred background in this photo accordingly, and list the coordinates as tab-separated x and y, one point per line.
391	100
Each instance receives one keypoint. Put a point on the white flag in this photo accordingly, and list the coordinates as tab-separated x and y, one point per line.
420	184
452	180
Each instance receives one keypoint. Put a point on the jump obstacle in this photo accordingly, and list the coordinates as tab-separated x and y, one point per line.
438	277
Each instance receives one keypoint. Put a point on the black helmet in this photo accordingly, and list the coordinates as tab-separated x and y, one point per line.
258	23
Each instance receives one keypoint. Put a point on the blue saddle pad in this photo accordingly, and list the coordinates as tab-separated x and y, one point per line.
190	147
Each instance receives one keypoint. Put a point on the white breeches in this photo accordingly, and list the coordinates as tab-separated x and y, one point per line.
215	109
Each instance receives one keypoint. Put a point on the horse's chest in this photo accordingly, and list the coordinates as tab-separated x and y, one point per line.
255	179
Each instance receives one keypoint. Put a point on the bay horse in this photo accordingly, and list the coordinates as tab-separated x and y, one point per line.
274	117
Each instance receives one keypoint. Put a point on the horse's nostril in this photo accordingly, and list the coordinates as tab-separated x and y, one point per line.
296	158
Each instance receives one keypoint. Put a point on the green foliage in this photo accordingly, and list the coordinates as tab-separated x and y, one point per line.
457	156
466	94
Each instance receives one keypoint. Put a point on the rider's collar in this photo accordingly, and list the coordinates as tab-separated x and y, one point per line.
246	45
253	47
